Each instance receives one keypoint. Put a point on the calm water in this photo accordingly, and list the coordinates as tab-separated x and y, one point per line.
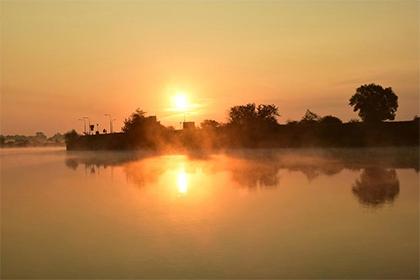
243	214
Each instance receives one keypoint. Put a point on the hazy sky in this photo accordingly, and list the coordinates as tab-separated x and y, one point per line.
61	60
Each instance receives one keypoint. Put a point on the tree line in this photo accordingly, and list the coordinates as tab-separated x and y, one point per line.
39	139
252	125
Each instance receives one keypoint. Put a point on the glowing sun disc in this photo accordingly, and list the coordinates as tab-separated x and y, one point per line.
180	101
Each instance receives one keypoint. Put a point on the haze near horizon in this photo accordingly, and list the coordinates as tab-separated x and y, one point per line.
64	60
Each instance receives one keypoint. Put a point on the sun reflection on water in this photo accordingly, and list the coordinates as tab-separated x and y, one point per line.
182	181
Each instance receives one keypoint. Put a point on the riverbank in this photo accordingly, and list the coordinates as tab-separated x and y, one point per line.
295	135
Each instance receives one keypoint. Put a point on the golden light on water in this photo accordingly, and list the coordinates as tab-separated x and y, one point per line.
182	181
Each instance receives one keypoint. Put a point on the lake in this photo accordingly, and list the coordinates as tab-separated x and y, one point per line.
336	213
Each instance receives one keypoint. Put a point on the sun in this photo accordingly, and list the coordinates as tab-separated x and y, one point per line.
180	101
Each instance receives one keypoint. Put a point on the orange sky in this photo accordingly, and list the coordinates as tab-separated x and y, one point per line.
62	60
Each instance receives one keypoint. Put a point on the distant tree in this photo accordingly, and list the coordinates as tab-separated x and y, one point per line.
243	114
39	138
268	113
329	131
209	124
249	114
41	135
249	125
56	138
310	117
135	120
330	120
143	131
374	103
70	136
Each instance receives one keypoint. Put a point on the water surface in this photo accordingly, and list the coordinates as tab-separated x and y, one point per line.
350	213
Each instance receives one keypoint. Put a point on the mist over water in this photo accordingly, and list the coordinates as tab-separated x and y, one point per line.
274	213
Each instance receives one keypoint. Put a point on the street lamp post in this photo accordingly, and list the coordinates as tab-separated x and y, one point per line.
84	124
110	122
87	118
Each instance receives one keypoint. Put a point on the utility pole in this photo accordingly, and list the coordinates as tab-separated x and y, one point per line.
87	118
84	124
110	122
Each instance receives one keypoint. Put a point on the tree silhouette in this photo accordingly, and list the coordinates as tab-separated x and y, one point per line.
134	121
250	125
310	117
143	131
209	124
245	115
71	136
374	103
242	114
330	121
268	113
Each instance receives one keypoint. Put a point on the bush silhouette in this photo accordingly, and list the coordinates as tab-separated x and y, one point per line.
330	121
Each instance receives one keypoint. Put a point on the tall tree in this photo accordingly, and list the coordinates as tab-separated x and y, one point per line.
136	120
268	113
242	114
250	114
374	103
310	117
143	130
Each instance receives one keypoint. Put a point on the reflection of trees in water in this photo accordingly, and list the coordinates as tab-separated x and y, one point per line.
94	162
142	173
252	168
90	167
262	169
312	171
256	174
71	163
133	164
265	173
376	186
